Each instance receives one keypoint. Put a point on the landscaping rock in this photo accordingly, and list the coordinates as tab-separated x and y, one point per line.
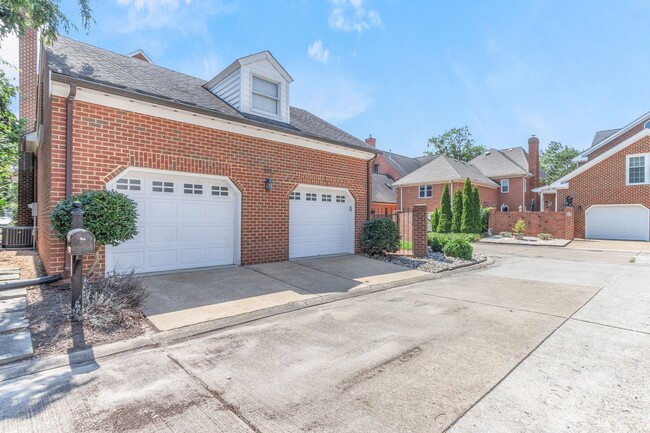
434	262
527	240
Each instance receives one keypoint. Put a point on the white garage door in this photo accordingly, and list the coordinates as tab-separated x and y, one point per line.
624	222
184	221
321	221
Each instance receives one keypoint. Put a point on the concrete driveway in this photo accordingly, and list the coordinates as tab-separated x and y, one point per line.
188	298
533	343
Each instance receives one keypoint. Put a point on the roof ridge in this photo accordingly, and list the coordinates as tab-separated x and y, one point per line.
513	161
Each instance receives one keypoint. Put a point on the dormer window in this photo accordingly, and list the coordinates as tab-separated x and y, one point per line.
266	95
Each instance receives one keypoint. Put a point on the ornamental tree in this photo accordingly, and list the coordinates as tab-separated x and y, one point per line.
457	211
476	211
444	222
467	219
109	215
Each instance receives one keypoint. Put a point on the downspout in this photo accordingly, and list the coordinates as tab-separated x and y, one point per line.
523	193
369	188
69	113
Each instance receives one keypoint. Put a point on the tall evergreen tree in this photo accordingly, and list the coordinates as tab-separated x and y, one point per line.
476	211
444	223
457	211
467	219
435	218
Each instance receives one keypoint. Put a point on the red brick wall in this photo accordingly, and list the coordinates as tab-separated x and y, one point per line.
419	230
604	183
27	110
385	167
636	129
515	197
106	141
555	223
383	208
412	196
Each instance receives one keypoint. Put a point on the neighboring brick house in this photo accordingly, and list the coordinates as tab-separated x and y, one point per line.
611	187
223	172
384	197
504	177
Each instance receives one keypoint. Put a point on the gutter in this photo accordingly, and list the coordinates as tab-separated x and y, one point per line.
175	104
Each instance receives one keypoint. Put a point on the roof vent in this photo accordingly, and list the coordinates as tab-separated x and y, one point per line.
488	153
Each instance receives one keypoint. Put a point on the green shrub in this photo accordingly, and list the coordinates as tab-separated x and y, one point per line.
444	223
545	236
435	218
458	248
110	216
457	211
520	226
476	211
467	225
485	219
435	244
380	235
443	238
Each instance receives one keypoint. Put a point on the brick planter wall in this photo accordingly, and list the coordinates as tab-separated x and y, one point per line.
558	224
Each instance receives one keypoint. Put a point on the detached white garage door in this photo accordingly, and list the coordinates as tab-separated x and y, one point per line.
321	221
623	222
184	221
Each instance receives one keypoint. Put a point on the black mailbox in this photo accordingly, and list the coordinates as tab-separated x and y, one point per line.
80	242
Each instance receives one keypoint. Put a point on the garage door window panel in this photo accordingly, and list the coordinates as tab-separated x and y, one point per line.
192	188
220	191
129	185
161	186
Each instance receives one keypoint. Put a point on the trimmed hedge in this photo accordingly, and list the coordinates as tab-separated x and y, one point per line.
458	248
380	235
444	238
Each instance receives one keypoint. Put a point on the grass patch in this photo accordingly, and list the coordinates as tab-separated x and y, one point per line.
405	245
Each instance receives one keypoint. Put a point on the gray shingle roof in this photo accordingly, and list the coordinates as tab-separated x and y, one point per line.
501	163
81	61
381	190
403	164
603	135
442	169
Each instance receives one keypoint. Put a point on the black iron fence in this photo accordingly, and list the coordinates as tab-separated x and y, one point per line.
404	220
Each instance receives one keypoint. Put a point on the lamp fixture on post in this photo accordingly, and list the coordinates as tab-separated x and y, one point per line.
268	184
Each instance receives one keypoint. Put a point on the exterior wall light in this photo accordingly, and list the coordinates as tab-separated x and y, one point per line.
268	184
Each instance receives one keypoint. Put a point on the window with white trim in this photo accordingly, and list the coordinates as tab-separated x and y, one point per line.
294	196
426	191
340	199
266	95
160	186
638	169
192	188
310	196
326	197
505	185
221	191
129	184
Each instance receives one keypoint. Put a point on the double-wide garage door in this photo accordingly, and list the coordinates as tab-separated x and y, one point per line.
622	222
184	221
321	221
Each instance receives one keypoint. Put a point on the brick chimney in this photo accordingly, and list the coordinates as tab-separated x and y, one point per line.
371	141
28	84
27	100
533	160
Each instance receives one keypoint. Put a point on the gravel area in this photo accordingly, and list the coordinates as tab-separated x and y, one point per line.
435	262
528	240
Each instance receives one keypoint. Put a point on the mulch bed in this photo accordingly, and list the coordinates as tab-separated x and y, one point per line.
48	312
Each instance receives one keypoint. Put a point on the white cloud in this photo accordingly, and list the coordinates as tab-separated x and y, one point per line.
350	15
319	53
183	16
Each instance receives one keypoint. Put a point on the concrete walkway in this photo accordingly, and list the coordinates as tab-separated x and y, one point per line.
15	338
604	245
184	299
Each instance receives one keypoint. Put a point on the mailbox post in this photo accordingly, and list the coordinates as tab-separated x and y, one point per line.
80	242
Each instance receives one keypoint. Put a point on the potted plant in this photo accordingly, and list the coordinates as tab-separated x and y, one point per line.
518	229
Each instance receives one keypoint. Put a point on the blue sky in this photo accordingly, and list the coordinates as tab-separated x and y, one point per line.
404	71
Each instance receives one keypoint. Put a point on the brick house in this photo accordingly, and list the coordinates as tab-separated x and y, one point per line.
611	186
505	179
223	172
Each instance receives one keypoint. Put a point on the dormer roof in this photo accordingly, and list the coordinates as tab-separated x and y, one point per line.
243	61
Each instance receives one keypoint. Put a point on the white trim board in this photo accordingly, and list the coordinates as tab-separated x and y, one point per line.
617	134
136	106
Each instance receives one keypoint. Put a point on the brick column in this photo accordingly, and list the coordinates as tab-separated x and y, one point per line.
420	230
569	223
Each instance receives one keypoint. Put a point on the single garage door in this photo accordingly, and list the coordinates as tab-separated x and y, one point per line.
184	221
321	221
624	222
